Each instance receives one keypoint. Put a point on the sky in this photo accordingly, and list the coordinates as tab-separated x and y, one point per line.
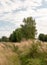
12	13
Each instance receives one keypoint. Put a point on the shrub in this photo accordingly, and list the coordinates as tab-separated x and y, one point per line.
4	39
46	38
41	37
16	36
12	37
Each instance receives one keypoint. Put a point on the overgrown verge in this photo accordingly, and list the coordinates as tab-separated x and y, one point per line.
33	54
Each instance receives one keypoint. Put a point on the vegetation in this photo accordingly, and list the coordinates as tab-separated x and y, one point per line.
16	36
4	39
29	28
31	54
43	37
35	56
27	31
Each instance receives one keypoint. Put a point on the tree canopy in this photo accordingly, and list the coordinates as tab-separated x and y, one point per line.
42	37
27	30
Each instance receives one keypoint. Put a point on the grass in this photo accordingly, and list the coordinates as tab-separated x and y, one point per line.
13	60
24	53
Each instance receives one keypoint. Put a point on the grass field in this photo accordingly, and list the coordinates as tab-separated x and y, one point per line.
24	53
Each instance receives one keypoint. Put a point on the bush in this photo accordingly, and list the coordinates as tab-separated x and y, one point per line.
4	39
16	36
12	37
43	37
0	39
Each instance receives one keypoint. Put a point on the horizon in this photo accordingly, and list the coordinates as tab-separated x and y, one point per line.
12	13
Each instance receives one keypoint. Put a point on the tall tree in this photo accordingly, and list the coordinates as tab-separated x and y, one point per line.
27	31
29	28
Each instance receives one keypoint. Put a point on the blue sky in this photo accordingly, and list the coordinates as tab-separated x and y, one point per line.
12	13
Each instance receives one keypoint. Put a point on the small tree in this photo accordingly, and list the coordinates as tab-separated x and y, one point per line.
41	37
4	39
19	34
16	36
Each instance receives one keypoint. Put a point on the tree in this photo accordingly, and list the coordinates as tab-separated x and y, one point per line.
4	39
19	34
45	38
41	37
12	37
0	39
16	36
27	31
29	28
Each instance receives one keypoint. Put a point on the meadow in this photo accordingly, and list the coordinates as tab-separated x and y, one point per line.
31	52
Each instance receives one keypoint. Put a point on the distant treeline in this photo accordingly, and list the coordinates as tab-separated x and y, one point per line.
26	31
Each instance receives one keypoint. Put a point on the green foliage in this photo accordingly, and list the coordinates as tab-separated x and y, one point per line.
29	28
4	39
43	37
27	31
16	36
33	61
0	39
46	38
44	61
34	57
12	37
13	60
33	50
21	57
19	34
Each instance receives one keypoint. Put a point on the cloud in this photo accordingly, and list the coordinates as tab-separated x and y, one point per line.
12	13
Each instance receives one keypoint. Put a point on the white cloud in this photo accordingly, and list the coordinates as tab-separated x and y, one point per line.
42	12
45	0
8	6
14	11
5	33
42	24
